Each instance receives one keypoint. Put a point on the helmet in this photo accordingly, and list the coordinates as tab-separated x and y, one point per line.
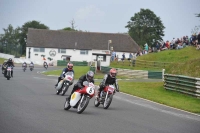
10	59
113	73
90	76
31	62
24	62
70	66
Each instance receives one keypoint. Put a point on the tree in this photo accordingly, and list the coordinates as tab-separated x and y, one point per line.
145	27
24	31
72	28
10	38
198	15
69	29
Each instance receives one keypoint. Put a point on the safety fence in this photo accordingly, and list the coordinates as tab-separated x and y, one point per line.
136	73
183	84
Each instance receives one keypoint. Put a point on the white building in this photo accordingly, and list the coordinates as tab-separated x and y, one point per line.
76	46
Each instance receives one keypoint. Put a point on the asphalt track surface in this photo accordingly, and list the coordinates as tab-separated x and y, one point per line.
29	104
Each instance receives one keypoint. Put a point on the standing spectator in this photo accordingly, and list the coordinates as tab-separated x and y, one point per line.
134	58
146	47
172	45
198	41
123	57
130	57
113	55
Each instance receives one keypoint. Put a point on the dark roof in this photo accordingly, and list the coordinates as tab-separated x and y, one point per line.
83	40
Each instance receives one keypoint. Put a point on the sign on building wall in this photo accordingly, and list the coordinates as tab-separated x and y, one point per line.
52	53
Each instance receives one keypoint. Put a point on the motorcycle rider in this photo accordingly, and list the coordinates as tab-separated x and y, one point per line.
109	79
24	64
31	64
11	64
65	70
86	77
45	64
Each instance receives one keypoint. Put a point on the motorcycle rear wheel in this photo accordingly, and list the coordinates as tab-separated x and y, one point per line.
82	105
108	101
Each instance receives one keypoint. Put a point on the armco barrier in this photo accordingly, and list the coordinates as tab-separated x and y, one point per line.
105	69
183	84
92	68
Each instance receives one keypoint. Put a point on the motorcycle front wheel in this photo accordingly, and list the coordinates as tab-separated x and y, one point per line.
96	102
83	104
108	101
64	90
67	105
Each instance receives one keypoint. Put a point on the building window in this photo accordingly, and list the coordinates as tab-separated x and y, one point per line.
83	51
62	51
39	50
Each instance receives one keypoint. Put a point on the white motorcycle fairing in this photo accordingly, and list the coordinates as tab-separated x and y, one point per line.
59	85
75	97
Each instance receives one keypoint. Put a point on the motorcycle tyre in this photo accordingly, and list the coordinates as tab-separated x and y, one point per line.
67	105
107	104
86	101
96	102
64	89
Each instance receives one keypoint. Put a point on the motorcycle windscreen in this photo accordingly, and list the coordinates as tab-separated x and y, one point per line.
59	85
75	98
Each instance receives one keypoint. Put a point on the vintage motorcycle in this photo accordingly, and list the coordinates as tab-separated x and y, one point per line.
64	84
8	72
24	67
31	66
81	97
106	97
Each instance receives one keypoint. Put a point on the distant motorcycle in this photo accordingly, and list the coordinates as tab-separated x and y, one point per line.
81	97
46	66
24	67
8	72
64	84
106	97
31	66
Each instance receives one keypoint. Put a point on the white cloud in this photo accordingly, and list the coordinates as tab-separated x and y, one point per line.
88	12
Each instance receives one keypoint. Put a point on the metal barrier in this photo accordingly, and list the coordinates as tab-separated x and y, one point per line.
183	84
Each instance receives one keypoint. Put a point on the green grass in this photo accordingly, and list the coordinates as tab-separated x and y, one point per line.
2	60
79	71
155	91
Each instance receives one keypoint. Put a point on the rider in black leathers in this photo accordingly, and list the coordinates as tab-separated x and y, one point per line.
11	64
109	79
86	77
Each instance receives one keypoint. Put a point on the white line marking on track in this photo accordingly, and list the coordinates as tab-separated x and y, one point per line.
161	110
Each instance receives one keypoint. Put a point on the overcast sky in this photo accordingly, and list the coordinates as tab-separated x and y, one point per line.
107	16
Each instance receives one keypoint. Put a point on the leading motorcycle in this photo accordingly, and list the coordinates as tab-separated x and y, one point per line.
105	97
8	72
81	97
64	84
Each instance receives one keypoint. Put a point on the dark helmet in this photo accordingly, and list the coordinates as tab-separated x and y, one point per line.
113	73
70	66
90	76
10	60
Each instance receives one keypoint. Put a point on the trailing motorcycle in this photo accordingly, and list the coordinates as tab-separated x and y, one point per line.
64	84
105	97
81	97
31	67
24	67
